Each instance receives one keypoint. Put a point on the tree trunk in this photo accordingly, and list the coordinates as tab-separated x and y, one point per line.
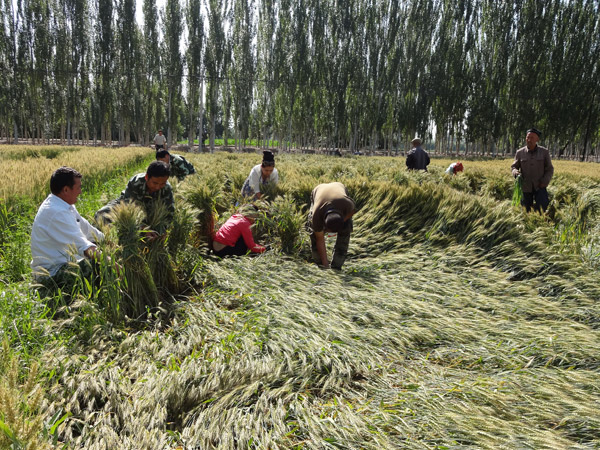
15	131
212	133
169	135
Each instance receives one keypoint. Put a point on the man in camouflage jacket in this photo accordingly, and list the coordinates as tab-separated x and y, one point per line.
147	190
180	167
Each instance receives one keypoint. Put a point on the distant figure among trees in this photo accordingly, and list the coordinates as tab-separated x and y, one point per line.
533	164
260	175
454	168
160	140
417	158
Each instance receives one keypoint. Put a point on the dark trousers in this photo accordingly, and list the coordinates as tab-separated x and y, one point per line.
67	277
239	249
536	200
340	251
159	147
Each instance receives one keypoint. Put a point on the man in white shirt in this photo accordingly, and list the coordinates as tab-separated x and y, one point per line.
160	140
59	234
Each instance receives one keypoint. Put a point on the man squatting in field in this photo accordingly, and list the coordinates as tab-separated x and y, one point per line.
147	190
533	163
179	166
60	235
331	210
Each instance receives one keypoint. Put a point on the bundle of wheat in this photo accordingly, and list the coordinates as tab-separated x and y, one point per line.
158	258
285	221
140	288
517	196
204	195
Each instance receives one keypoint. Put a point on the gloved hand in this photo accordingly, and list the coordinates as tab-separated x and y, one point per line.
516	173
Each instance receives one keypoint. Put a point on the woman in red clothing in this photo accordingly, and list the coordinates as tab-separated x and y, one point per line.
235	237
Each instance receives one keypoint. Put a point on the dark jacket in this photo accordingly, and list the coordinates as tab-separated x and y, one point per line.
417	159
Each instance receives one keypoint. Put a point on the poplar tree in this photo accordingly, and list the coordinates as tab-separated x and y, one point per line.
152	70
264	114
242	70
174	68
214	60
13	13
104	70
194	71
127	45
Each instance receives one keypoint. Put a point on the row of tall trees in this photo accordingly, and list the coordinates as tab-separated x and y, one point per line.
465	74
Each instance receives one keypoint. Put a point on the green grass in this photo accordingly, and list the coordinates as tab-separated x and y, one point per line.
457	321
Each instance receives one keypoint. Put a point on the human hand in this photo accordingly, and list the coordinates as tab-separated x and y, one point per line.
152	236
516	173
92	252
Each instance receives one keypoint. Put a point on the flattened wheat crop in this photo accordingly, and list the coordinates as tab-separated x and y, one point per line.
457	321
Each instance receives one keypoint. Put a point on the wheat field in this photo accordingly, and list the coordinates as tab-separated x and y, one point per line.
458	321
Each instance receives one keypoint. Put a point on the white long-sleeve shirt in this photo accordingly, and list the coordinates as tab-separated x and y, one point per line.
254	180
59	232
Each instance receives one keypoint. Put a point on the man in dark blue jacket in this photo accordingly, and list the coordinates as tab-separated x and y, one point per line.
417	158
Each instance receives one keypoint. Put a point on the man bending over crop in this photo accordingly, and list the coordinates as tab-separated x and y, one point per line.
60	235
180	167
147	190
331	210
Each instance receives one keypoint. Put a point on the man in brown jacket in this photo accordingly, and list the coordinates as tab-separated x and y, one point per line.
533	163
331	210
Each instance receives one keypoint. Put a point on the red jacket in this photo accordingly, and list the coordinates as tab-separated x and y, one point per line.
236	226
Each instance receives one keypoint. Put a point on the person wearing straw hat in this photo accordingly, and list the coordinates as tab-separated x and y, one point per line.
234	238
260	175
417	158
533	163
331	210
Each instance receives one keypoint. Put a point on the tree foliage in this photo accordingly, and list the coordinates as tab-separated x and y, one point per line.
469	75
